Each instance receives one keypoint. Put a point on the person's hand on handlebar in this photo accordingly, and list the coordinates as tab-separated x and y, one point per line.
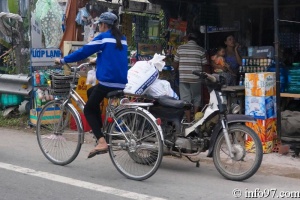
57	61
93	61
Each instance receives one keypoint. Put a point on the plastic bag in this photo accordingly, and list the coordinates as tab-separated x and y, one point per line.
161	88
158	62
140	76
49	13
91	77
83	17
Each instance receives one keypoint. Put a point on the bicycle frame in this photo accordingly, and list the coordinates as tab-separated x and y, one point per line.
110	109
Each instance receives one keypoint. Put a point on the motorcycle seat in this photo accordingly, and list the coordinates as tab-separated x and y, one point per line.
173	103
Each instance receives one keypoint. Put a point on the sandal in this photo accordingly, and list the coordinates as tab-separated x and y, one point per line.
96	152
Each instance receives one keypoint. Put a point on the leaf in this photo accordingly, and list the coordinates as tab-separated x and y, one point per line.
13	6
4	43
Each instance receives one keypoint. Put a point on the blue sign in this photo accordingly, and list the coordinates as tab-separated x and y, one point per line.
234	27
44	56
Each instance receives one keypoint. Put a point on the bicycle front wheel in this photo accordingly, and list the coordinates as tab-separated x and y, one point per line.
136	147
58	134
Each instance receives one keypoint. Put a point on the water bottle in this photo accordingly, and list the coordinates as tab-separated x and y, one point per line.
241	80
37	78
42	77
34	79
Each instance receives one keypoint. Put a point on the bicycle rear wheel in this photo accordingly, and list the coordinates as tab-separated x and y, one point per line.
137	152
58	134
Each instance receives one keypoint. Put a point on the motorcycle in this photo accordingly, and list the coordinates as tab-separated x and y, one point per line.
236	149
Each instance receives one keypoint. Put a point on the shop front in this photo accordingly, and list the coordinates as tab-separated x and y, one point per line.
266	79
269	49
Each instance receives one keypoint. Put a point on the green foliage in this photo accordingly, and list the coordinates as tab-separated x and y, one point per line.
10	62
19	121
4	43
13	6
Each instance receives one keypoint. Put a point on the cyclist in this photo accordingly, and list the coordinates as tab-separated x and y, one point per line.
111	71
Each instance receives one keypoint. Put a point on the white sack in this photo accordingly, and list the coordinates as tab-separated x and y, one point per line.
161	88
140	76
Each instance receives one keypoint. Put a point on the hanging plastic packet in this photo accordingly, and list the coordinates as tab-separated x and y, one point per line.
91	77
49	13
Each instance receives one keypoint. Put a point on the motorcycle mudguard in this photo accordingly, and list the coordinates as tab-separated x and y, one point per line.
231	118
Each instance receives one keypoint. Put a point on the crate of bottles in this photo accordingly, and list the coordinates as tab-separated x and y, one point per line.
7	100
254	65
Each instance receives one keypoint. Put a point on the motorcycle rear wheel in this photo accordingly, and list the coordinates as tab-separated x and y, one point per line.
247	157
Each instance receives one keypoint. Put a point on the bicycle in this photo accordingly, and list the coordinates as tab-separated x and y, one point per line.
134	135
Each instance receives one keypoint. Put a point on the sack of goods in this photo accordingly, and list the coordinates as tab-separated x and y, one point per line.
142	74
161	88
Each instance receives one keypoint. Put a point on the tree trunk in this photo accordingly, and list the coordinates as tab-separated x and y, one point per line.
21	61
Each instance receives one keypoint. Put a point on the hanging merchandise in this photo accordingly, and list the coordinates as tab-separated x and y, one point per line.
83	17
141	28
127	27
49	13
177	29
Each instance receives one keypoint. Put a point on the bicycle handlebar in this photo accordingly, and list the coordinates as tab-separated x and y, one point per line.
204	75
79	67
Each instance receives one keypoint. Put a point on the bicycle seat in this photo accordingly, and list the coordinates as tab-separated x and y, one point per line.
115	94
170	102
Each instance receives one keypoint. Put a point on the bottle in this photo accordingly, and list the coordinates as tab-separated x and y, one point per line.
243	62
34	79
241	80
42	78
37	78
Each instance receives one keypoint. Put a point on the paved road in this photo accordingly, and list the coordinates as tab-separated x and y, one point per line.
26	174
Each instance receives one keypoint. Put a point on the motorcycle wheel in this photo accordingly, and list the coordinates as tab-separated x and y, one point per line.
247	156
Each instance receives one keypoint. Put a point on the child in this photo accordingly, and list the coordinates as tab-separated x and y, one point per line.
219	63
221	67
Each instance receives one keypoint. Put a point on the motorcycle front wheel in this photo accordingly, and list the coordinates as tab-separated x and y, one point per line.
247	151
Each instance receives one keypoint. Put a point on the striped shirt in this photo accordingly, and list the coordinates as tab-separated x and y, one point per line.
190	57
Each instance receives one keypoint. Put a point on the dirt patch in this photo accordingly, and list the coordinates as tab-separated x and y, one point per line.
290	172
273	164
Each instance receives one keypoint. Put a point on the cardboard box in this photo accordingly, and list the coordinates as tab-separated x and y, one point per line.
260	84
260	107
266	131
267	147
50	116
81	89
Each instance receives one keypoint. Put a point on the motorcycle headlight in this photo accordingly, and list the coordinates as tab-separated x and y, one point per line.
235	108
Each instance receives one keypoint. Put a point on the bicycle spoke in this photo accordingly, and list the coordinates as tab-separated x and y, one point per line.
139	157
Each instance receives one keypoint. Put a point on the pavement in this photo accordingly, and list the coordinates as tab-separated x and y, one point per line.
273	163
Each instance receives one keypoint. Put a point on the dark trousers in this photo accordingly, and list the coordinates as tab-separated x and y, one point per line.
92	112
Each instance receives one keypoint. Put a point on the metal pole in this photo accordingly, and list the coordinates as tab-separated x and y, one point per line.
276	43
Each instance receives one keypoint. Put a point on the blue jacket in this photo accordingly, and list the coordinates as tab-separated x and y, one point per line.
112	63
